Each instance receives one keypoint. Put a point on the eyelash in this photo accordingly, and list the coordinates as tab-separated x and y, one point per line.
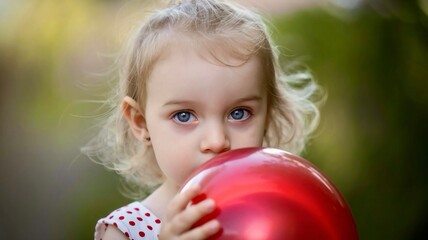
176	115
191	116
247	114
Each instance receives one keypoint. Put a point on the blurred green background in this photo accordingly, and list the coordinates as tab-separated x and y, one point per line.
372	58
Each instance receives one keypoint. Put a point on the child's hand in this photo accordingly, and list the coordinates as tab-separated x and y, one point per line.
180	216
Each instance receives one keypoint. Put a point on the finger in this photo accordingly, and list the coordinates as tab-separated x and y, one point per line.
202	232
186	219
181	200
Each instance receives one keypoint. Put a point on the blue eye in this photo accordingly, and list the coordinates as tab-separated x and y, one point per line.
239	114
184	117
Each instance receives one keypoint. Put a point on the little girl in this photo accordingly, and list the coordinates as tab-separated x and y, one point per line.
200	77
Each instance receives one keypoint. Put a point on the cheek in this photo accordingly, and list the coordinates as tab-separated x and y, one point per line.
174	158
258	131
250	138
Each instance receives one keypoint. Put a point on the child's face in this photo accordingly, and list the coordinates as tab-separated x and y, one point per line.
196	109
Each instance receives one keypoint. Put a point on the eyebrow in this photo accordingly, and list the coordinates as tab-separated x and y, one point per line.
239	100
177	102
249	99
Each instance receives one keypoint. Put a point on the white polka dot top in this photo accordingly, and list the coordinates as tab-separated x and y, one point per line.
134	220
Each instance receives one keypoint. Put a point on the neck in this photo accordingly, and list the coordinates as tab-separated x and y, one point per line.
160	198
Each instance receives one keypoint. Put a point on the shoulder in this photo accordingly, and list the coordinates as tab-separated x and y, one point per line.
133	221
113	233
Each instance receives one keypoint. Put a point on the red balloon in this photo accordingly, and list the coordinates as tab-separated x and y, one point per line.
267	193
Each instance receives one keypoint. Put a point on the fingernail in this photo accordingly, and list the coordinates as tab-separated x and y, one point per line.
195	188
208	203
213	226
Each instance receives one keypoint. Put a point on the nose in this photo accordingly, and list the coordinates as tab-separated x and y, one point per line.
215	140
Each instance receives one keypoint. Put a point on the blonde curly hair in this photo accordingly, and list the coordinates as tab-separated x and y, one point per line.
292	112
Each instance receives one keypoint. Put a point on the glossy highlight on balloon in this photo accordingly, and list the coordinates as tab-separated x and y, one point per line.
267	193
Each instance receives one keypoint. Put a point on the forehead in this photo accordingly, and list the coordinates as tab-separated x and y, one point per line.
184	71
214	48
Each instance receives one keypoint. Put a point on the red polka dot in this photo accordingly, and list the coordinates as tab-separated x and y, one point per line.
121	217
142	234
128	212
110	217
157	221
147	214
132	223
139	219
115	224
127	234
137	209
149	227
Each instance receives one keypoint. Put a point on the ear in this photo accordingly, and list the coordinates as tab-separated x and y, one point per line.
136	120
